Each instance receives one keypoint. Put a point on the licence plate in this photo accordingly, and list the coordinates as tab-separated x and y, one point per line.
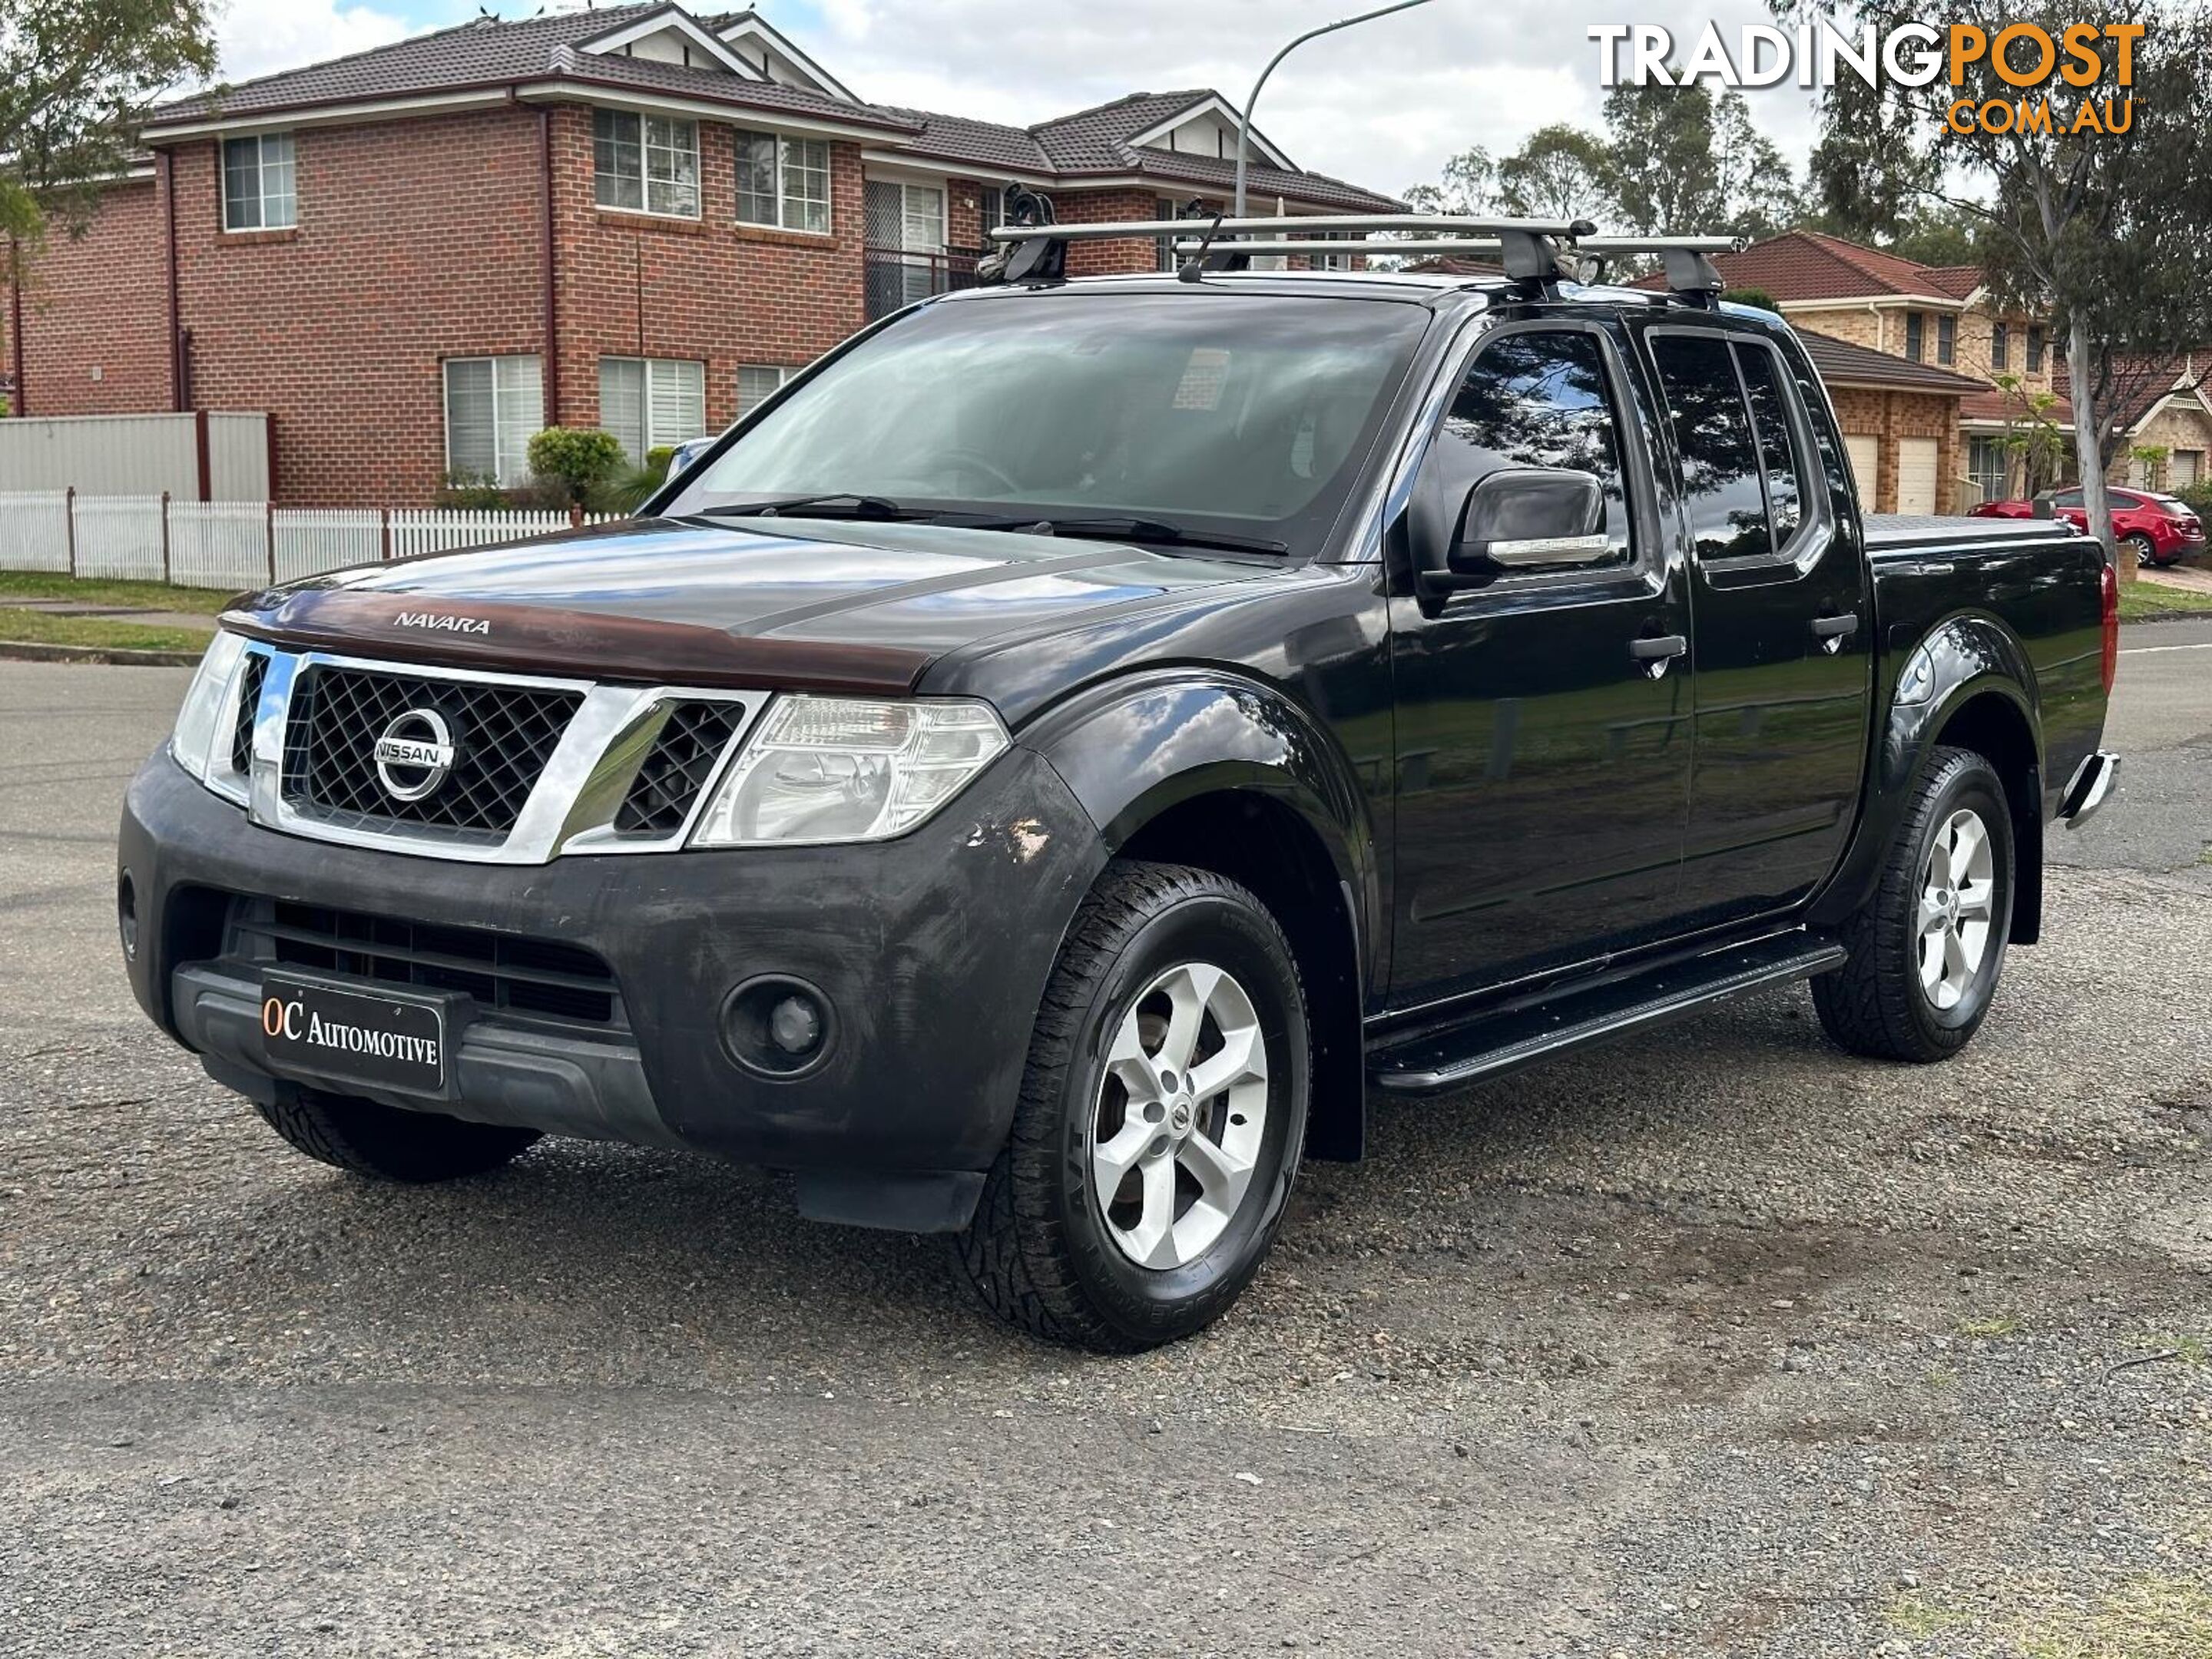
365	1036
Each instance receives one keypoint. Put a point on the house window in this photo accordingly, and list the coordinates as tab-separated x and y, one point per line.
2035	349
259	191
646	163
652	404
1986	468
2000	346
494	407
990	214
1947	339
1916	330
2184	468
783	181
757	383
906	244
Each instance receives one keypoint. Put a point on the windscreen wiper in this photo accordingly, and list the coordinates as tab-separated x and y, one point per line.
1134	530
861	506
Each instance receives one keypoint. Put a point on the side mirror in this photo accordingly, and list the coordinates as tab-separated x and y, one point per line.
689	452
1523	518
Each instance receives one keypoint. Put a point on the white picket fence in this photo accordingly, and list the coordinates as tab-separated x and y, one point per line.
236	544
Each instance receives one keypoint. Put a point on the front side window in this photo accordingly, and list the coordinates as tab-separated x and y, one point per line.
1537	399
651	403
494	407
1247	416
259	188
646	163
1721	484
783	182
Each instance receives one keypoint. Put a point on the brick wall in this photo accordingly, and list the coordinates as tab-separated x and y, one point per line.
709	290
2179	429
1891	416
95	312
415	241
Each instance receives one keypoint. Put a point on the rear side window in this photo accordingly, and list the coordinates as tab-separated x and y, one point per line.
1778	442
1538	398
1722	486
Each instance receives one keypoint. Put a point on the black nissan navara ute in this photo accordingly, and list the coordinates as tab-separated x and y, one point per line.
1038	776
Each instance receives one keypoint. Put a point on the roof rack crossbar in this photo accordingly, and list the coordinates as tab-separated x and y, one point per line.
1318	223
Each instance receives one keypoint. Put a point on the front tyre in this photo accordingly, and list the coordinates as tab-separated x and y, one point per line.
1927	949
1160	1119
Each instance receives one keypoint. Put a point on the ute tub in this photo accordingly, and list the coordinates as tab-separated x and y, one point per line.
932	952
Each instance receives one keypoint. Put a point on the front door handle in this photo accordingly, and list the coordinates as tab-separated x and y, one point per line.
1832	631
1653	655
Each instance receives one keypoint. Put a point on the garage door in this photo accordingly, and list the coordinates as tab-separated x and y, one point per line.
1916	475
1865	463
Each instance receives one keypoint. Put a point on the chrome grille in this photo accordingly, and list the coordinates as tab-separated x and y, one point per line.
506	973
677	768
503	736
251	678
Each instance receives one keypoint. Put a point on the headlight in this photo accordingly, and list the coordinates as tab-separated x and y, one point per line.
207	700
838	769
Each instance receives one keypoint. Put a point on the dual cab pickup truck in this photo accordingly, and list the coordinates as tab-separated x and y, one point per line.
1042	775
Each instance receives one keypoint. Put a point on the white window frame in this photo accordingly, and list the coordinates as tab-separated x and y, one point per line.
530	415
782	379
785	200
286	202
668	141
656	371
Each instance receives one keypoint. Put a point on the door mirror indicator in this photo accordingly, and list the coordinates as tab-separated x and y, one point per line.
1524	519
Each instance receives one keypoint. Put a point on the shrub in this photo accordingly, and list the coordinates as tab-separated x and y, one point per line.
1750	296
471	492
2199	497
580	462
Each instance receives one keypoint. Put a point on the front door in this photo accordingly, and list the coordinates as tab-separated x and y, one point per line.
1542	724
1782	622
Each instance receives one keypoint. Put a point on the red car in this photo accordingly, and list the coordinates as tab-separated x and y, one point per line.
2160	530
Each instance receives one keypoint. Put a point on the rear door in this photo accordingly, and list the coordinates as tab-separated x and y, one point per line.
1543	764
1781	622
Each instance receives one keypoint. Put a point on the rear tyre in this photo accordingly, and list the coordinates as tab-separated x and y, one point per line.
366	1138
1927	949
2145	550
1160	1119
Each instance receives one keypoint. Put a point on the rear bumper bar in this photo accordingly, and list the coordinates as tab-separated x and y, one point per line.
2086	789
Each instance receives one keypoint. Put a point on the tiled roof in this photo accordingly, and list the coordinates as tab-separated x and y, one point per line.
2140	382
1995	403
1842	363
1804	264
488	52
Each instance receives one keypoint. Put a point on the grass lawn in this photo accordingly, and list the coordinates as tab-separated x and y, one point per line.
153	596
2139	600
39	628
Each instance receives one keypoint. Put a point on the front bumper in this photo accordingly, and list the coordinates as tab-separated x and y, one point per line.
931	950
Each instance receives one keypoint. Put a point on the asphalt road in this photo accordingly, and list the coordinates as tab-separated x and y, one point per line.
1719	1342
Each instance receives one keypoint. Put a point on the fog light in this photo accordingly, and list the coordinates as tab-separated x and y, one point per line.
796	1025
126	915
777	1026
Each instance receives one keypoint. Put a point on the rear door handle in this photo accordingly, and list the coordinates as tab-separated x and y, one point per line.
1652	655
1836	627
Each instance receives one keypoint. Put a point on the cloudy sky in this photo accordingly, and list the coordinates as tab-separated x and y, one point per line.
1383	104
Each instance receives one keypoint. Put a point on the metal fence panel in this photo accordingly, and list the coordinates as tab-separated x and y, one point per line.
218	543
34	531
121	537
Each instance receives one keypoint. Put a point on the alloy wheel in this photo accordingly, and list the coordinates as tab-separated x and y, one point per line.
1181	1112
1958	906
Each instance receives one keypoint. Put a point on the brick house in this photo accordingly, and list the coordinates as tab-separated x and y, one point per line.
1899	420
638	217
1944	316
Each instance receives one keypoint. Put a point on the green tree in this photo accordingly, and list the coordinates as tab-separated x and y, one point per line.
1468	183
581	463
1680	162
1559	174
2108	231
75	76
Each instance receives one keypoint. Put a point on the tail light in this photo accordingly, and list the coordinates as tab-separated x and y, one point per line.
2109	590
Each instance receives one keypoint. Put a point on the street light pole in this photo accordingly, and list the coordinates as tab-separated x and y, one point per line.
1244	124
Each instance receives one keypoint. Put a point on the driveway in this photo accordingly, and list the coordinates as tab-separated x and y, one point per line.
1716	1342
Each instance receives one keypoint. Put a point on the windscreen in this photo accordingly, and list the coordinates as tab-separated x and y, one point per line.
1243	414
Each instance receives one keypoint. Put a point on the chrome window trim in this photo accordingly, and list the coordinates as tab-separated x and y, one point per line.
570	811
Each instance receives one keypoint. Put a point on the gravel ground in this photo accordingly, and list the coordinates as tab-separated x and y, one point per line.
1719	1342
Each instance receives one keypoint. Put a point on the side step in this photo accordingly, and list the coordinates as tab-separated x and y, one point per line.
1502	1040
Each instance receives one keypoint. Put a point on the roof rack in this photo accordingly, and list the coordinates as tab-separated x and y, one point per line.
1530	250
